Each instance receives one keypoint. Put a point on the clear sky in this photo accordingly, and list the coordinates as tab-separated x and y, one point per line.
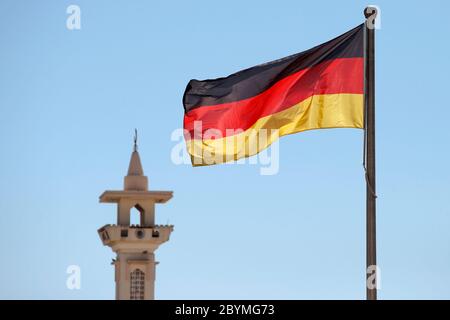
70	100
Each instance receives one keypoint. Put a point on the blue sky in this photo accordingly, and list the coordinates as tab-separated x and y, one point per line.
70	100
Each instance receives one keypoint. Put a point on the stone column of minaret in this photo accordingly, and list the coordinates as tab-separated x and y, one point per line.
135	244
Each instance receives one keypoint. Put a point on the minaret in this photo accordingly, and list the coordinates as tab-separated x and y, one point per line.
135	244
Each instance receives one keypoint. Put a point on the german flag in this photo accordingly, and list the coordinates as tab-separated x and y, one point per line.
238	116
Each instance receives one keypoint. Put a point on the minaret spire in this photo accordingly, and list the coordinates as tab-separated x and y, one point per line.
135	179
135	140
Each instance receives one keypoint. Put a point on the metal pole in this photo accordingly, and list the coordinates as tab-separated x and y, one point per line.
369	103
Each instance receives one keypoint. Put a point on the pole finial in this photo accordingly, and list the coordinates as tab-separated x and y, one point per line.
135	139
370	11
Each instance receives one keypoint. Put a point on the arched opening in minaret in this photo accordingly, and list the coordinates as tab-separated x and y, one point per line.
137	288
136	215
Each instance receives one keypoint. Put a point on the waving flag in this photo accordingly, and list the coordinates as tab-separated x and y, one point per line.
238	116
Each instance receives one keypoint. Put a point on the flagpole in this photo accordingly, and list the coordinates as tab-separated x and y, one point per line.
369	104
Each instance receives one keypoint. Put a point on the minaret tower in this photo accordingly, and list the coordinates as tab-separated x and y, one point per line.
135	244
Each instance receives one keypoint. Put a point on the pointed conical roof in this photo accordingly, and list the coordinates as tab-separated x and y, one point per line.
135	179
135	167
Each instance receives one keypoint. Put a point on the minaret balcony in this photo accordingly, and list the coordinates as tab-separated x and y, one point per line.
134	236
